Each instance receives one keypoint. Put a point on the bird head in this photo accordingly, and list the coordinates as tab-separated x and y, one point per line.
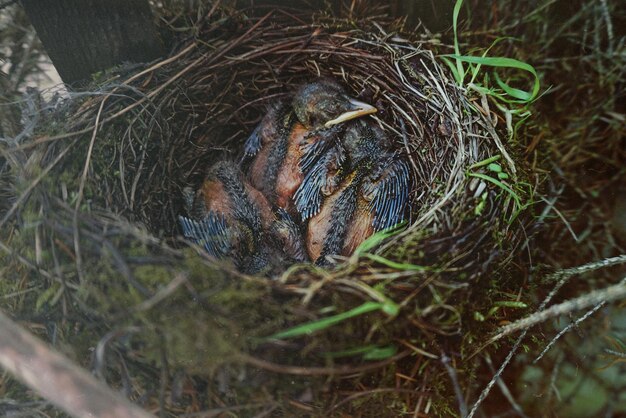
325	103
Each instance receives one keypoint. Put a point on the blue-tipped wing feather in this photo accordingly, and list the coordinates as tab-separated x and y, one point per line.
390	196
315	146
309	196
211	233
311	152
253	143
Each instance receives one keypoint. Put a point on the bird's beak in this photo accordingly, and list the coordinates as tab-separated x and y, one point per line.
357	109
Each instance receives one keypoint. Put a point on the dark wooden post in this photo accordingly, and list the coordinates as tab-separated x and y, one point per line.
86	36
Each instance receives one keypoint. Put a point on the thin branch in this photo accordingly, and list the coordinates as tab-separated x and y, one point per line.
506	392
57	379
567	328
585	268
609	294
496	377
318	371
588	300
445	360
596	297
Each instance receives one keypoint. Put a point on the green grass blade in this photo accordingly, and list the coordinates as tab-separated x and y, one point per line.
369	352
396	265
503	62
477	68
381	353
510	304
485	162
457	51
350	352
374	240
455	72
522	95
311	327
515	196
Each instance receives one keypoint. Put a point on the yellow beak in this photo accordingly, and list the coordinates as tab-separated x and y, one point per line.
357	109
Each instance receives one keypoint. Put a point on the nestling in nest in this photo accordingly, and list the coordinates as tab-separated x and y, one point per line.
427	136
346	181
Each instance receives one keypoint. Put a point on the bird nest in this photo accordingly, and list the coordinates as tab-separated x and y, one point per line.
101	188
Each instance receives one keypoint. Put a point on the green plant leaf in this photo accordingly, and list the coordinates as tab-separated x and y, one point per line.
510	304
458	77
46	297
374	240
503	62
381	353
457	51
396	265
369	352
515	196
350	352
311	327
485	162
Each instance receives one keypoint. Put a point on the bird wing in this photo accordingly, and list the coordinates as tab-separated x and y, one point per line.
322	176
389	194
210	232
315	145
253	143
265	130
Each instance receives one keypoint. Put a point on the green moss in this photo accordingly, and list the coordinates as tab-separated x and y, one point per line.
198	343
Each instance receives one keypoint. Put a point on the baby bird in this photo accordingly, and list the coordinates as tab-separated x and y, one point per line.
289	133
230	218
358	187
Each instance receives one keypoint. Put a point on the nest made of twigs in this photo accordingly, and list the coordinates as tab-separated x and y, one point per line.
199	106
126	150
